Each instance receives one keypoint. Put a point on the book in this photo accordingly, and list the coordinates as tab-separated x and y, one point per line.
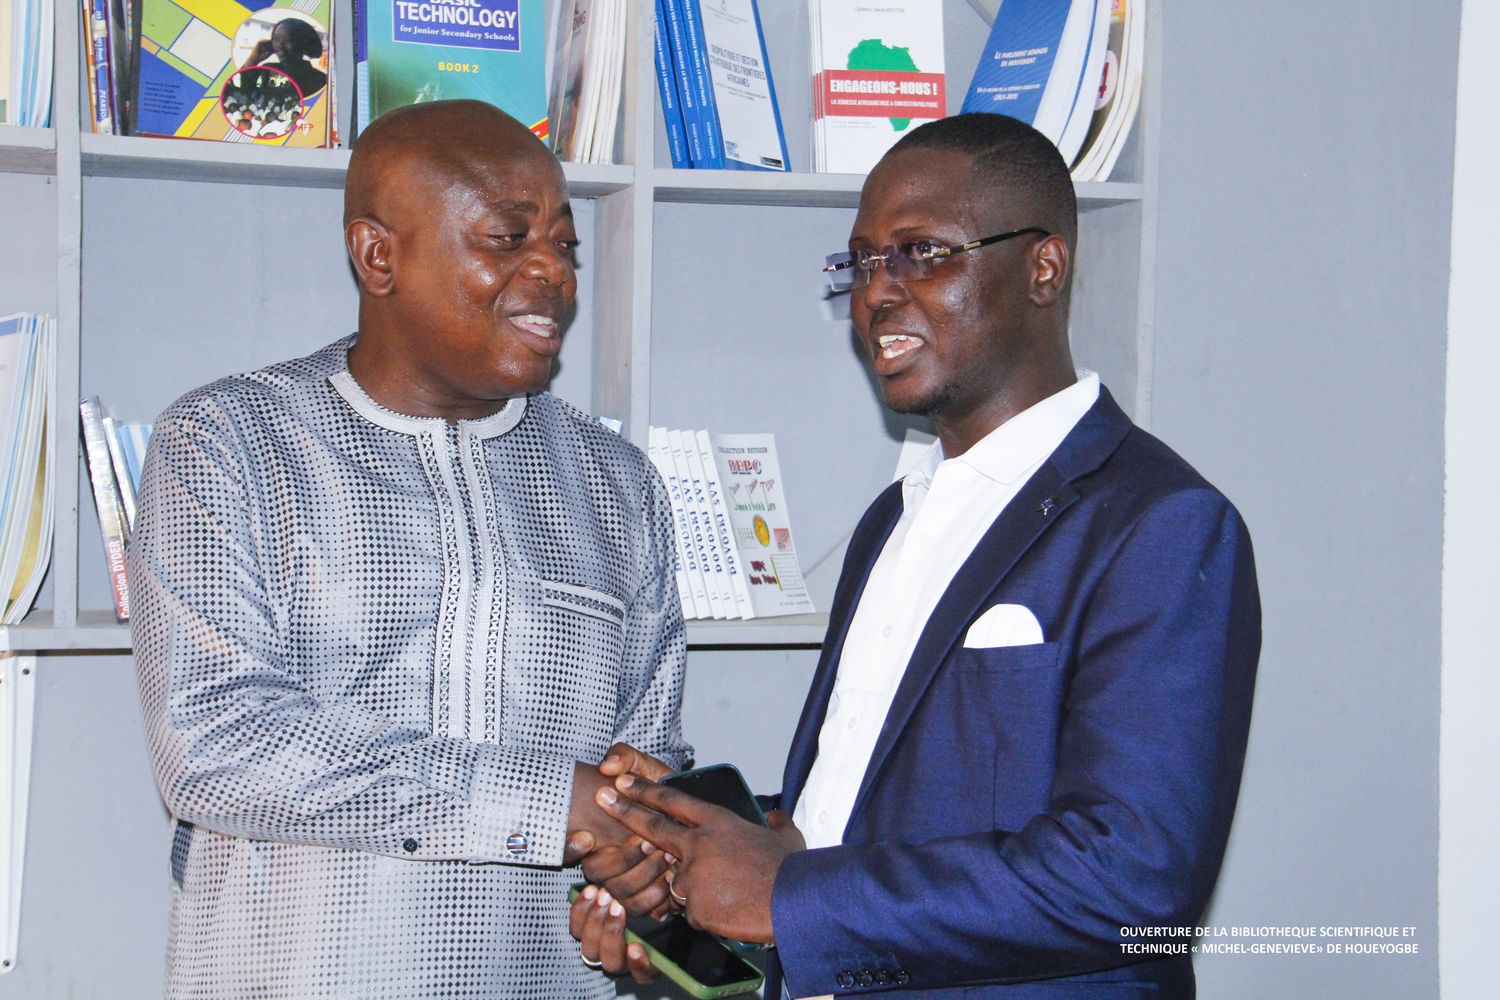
690	586
26	28
718	512
695	494
760	524
877	74
27	361
412	51
667	88
97	55
1041	64
690	95
107	503
228	73
702	84
742	92
1119	96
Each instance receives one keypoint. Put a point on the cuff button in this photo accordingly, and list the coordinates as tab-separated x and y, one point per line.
410	845
517	844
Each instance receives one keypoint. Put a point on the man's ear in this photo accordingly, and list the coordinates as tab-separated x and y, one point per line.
1051	262
369	244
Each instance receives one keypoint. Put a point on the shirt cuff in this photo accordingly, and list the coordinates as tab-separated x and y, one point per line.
518	813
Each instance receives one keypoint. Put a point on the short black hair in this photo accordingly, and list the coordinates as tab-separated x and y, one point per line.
303	35
1009	156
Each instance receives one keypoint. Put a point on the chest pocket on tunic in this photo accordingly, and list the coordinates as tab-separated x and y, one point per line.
590	622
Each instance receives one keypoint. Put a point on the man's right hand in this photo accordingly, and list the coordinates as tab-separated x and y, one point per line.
630	869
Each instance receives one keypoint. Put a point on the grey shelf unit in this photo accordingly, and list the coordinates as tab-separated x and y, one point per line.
640	210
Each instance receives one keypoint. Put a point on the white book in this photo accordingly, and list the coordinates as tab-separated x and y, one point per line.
690	586
122	471
1132	78
878	73
26	528
745	96
716	568
723	534
761	523
1092	41
694	500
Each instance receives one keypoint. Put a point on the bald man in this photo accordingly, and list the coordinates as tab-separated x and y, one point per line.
391	600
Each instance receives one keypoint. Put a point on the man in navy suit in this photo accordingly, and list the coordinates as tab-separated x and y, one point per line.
1017	764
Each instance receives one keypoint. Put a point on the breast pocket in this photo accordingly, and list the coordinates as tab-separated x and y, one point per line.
584	601
1034	656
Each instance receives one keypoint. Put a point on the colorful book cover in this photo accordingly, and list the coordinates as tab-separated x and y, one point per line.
760	523
411	51
213	69
744	94
107	503
877	74
97	52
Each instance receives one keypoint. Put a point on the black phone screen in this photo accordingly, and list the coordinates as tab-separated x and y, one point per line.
695	952
722	785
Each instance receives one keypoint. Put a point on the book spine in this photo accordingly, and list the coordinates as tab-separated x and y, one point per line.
361	69
703	86
666	82
96	26
687	94
724	532
106	502
122	471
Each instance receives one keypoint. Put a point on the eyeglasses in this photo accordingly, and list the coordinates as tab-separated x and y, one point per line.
910	261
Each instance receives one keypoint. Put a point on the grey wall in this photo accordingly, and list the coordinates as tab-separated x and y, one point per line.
1306	164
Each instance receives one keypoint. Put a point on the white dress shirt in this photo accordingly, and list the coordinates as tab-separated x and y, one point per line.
948	505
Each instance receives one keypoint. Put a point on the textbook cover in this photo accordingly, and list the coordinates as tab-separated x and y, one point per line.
760	526
412	51
235	73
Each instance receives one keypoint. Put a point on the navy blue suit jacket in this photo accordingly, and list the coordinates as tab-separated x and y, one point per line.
1024	804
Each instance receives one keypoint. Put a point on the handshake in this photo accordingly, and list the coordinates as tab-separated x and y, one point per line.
649	849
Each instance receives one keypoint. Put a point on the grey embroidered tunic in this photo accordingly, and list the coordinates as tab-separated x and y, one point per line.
370	648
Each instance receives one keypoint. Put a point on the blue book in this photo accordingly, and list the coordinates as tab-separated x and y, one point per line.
703	88
666	82
1013	71
688	94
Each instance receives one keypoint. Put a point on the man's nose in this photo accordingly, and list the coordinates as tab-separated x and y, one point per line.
550	264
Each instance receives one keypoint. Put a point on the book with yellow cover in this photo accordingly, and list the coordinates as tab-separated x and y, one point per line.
214	69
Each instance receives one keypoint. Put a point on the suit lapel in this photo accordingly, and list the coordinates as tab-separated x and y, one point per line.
864	549
1038	505
1035	508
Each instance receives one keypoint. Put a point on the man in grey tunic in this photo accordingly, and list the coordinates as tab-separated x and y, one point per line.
392	601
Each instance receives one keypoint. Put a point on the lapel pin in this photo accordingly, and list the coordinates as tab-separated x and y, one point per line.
1045	507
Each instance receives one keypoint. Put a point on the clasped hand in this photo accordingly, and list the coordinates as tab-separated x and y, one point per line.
684	855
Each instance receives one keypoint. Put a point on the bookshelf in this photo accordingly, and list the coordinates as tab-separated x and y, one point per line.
690	273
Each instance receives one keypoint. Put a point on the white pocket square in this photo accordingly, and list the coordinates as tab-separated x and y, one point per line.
1004	625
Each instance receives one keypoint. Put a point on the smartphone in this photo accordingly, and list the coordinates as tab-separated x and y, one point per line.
695	960
722	785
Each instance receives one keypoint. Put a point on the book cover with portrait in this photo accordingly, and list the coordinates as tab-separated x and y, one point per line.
412	51
235	73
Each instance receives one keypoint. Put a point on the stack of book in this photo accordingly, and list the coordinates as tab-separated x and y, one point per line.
485	50
588	68
1043	64
221	72
115	453
1119	96
26	62
877	74
735	554
717	95
27	358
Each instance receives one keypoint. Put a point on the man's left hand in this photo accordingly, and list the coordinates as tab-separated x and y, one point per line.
725	867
